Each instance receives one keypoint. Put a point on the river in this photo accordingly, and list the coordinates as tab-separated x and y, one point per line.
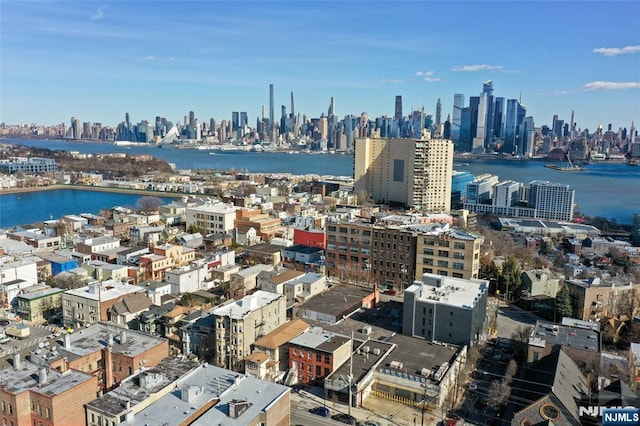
606	190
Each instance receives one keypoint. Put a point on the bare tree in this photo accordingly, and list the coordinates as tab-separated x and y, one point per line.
148	204
521	338
499	393
512	369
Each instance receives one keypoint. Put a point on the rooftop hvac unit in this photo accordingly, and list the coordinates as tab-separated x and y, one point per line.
376	351
426	372
366	349
396	365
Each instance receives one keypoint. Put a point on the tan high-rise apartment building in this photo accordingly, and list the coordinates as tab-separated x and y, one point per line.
409	172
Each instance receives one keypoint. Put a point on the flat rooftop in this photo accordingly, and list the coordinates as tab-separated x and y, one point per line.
95	338
105	290
449	291
320	340
27	377
215	386
136	389
336	299
416	354
548	333
238	309
368	354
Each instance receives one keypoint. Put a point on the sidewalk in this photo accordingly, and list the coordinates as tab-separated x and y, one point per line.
387	413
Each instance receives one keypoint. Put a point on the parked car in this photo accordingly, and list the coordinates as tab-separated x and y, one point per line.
4	322
473	386
4	339
369	423
321	411
390	292
344	418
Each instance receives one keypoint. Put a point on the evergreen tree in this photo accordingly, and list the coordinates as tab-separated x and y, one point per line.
510	278
564	307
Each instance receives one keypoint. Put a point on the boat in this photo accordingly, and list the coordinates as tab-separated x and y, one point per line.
570	168
632	163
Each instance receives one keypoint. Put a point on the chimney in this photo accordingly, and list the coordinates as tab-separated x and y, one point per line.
66	339
123	337
16	361
110	339
42	376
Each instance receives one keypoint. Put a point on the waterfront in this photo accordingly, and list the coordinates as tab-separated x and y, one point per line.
35	206
604	189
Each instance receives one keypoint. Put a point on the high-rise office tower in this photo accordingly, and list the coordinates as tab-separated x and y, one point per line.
244	119
415	173
348	131
527	137
398	111
293	110
192	118
498	118
478	143
513	119
487	93
332	107
458	104
271	106
438	115
571	135
463	144
632	133
235	119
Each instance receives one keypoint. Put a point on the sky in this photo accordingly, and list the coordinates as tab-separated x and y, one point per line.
98	60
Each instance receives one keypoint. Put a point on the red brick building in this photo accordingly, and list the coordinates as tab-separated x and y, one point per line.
314	354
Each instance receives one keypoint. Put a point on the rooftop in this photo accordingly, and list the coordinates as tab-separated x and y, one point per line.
337	299
319	339
136	389
96	337
441	290
282	334
548	333
40	293
28	377
214	387
238	309
105	290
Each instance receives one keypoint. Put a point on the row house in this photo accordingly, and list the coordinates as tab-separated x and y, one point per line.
265	225
89	304
314	354
241	322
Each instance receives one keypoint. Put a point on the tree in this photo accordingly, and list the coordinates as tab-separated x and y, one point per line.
195	229
148	204
510	278
512	369
521	338
564	306
499	393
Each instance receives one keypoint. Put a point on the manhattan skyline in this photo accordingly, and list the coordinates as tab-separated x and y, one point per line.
98	60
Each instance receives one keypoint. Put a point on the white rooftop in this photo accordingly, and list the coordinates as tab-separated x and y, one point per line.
105	290
241	308
449	291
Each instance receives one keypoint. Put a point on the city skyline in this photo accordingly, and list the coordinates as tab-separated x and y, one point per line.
99	60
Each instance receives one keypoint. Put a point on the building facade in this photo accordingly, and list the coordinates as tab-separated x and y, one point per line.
445	309
409	172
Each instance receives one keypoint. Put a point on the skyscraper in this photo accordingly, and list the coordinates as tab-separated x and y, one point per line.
398	111
332	107
271	106
498	118
414	173
438	115
293	110
458	104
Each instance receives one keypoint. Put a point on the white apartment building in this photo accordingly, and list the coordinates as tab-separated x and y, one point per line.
212	218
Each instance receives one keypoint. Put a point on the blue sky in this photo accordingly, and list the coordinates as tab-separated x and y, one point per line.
98	60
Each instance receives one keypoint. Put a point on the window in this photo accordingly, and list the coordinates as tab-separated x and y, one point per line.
318	357
458	255
458	245
318	370
458	265
549	412
443	263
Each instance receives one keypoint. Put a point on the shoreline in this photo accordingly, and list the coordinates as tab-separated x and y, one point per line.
141	192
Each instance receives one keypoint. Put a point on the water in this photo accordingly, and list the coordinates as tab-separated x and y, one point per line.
29	207
606	190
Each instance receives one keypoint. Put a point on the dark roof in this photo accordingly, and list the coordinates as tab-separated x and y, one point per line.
337	299
554	379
